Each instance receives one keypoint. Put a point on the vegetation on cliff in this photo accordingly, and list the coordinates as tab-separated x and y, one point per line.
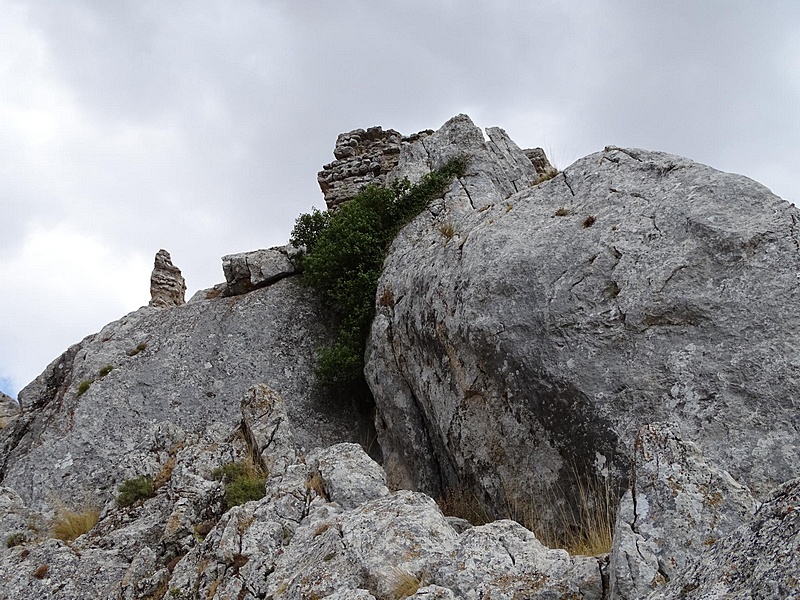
343	259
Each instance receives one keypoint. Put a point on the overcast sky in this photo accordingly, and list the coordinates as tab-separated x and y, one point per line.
199	127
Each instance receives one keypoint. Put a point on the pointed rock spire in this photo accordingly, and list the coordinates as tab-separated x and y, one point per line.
167	286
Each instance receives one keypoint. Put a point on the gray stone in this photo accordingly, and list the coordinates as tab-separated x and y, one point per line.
678	506
167	286
9	410
248	271
759	560
188	367
266	427
525	348
363	157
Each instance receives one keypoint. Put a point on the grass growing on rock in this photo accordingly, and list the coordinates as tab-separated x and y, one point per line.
243	480
137	488
69	525
343	259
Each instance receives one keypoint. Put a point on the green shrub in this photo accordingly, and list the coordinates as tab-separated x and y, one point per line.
16	539
84	386
139	348
105	370
344	254
135	489
243	482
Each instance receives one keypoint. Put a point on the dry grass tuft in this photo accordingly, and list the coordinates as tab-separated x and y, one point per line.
69	525
463	503
587	529
447	230
546	176
403	583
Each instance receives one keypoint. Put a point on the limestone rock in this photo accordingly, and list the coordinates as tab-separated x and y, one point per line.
92	419
678	506
362	157
758	560
9	410
266	427
248	271
526	347
167	286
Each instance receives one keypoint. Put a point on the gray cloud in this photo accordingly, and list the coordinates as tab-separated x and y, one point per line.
199	127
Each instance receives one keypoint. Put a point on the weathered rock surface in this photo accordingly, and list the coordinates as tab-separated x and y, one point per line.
9	409
535	328
362	157
248	271
94	417
759	560
678	506
167	286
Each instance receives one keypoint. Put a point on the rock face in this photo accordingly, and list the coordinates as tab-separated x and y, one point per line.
9	409
167	286
362	157
758	560
92	419
678	507
535	328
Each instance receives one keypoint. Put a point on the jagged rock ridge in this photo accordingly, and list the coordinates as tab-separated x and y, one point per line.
598	323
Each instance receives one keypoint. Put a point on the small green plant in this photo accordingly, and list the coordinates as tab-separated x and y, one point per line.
16	539
135	489
69	525
243	482
139	348
105	370
84	386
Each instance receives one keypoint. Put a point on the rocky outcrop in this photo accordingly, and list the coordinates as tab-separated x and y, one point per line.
362	157
9	410
167	286
535	328
249	271
678	507
93	418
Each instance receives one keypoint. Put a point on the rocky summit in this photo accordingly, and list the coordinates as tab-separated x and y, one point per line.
585	384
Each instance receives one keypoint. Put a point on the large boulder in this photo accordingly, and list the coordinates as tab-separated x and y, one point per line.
98	414
526	331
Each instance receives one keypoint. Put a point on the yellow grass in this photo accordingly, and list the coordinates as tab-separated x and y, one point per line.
69	525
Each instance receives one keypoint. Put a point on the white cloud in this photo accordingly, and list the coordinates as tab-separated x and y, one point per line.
61	285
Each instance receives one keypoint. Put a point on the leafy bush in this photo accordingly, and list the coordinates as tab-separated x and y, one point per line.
135	489
70	525
105	370
344	254
243	482
84	386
